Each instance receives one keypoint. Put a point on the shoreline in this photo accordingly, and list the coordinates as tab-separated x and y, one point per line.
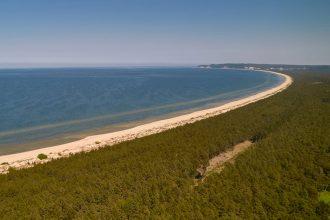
75	136
30	158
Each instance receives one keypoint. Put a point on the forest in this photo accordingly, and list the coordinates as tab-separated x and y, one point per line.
281	176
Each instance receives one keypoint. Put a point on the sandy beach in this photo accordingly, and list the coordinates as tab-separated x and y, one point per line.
29	158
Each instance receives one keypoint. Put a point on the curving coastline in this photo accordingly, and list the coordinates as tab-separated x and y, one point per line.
29	158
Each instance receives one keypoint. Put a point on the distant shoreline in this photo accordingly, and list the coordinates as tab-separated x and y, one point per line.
29	158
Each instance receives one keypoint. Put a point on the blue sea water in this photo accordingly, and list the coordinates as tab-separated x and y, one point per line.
48	104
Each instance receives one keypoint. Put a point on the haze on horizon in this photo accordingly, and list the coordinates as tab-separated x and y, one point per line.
86	32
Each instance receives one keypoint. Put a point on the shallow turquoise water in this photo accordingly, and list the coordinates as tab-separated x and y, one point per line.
40	104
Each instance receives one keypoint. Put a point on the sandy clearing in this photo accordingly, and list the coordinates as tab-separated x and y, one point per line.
227	156
217	163
29	158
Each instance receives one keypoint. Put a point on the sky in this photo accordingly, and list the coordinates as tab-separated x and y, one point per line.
163	32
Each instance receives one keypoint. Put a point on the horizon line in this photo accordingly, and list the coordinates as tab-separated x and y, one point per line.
108	65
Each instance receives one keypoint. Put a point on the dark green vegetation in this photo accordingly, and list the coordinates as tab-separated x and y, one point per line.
42	156
280	177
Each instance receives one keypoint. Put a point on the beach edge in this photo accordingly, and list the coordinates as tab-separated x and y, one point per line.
30	158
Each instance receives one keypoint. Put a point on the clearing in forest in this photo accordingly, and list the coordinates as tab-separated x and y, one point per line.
217	163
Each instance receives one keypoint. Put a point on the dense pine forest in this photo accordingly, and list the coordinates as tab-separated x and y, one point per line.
280	176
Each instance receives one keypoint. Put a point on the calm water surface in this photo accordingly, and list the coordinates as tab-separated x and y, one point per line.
50	104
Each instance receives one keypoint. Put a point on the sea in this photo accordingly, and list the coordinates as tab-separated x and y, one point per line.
41	107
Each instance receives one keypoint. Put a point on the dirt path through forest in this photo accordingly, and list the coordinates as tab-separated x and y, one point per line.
217	163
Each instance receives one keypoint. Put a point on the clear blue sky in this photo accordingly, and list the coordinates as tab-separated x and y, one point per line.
84	32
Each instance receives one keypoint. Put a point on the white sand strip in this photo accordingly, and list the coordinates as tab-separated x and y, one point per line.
29	158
